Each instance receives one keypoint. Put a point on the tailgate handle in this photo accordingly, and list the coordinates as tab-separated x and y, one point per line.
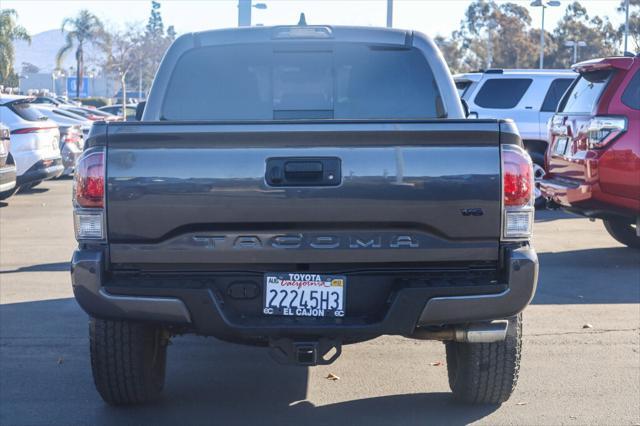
303	169
324	171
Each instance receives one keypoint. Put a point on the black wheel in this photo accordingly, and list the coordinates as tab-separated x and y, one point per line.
623	231
127	360
485	373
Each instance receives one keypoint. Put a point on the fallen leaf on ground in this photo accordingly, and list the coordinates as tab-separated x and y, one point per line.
332	376
587	326
436	364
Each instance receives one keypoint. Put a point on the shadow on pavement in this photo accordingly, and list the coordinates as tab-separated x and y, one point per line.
36	190
551	215
44	267
46	379
601	275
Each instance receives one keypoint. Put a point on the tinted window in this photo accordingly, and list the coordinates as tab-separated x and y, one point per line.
66	114
502	93
631	95
26	111
462	87
260	82
554	94
585	92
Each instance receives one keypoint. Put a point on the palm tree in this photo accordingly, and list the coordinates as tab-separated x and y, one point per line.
9	32
84	28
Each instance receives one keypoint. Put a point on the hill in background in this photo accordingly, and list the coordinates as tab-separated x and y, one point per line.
43	48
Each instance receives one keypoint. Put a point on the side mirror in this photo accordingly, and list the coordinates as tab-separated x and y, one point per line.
140	110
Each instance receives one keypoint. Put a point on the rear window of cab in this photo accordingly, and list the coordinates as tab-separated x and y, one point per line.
302	81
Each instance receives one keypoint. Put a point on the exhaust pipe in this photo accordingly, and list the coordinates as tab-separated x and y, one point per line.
489	332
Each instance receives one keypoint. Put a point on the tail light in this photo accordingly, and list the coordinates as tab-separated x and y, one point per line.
89	193
603	130
26	130
518	193
71	137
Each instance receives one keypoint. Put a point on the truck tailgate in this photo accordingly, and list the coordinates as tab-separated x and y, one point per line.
196	193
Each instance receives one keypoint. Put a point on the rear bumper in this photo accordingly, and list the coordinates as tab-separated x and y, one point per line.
204	312
7	177
565	193
583	199
41	170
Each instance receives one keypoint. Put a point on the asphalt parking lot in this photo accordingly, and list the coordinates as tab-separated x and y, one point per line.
570	374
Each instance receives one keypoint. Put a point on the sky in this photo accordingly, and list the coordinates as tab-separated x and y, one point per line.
432	17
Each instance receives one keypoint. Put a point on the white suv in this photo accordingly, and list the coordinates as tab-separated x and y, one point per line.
528	97
34	141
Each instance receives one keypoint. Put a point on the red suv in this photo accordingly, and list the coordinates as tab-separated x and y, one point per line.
593	159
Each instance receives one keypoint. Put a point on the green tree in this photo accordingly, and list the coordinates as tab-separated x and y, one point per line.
84	28
155	27
10	31
451	51
493	35
598	33
634	25
154	43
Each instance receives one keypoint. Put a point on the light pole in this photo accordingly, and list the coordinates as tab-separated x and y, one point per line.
543	4
92	84
244	12
575	44
626	26
57	73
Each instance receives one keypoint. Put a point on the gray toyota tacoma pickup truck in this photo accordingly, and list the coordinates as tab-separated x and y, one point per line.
302	188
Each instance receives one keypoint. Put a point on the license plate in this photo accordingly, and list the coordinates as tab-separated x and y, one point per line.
304	295
561	145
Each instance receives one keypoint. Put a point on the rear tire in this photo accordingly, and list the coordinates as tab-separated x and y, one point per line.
127	360
622	231
538	174
485	373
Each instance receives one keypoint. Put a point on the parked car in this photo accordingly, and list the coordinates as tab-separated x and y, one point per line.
72	130
92	114
593	164
277	194
71	145
64	117
47	100
529	97
132	96
7	165
34	141
117	110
